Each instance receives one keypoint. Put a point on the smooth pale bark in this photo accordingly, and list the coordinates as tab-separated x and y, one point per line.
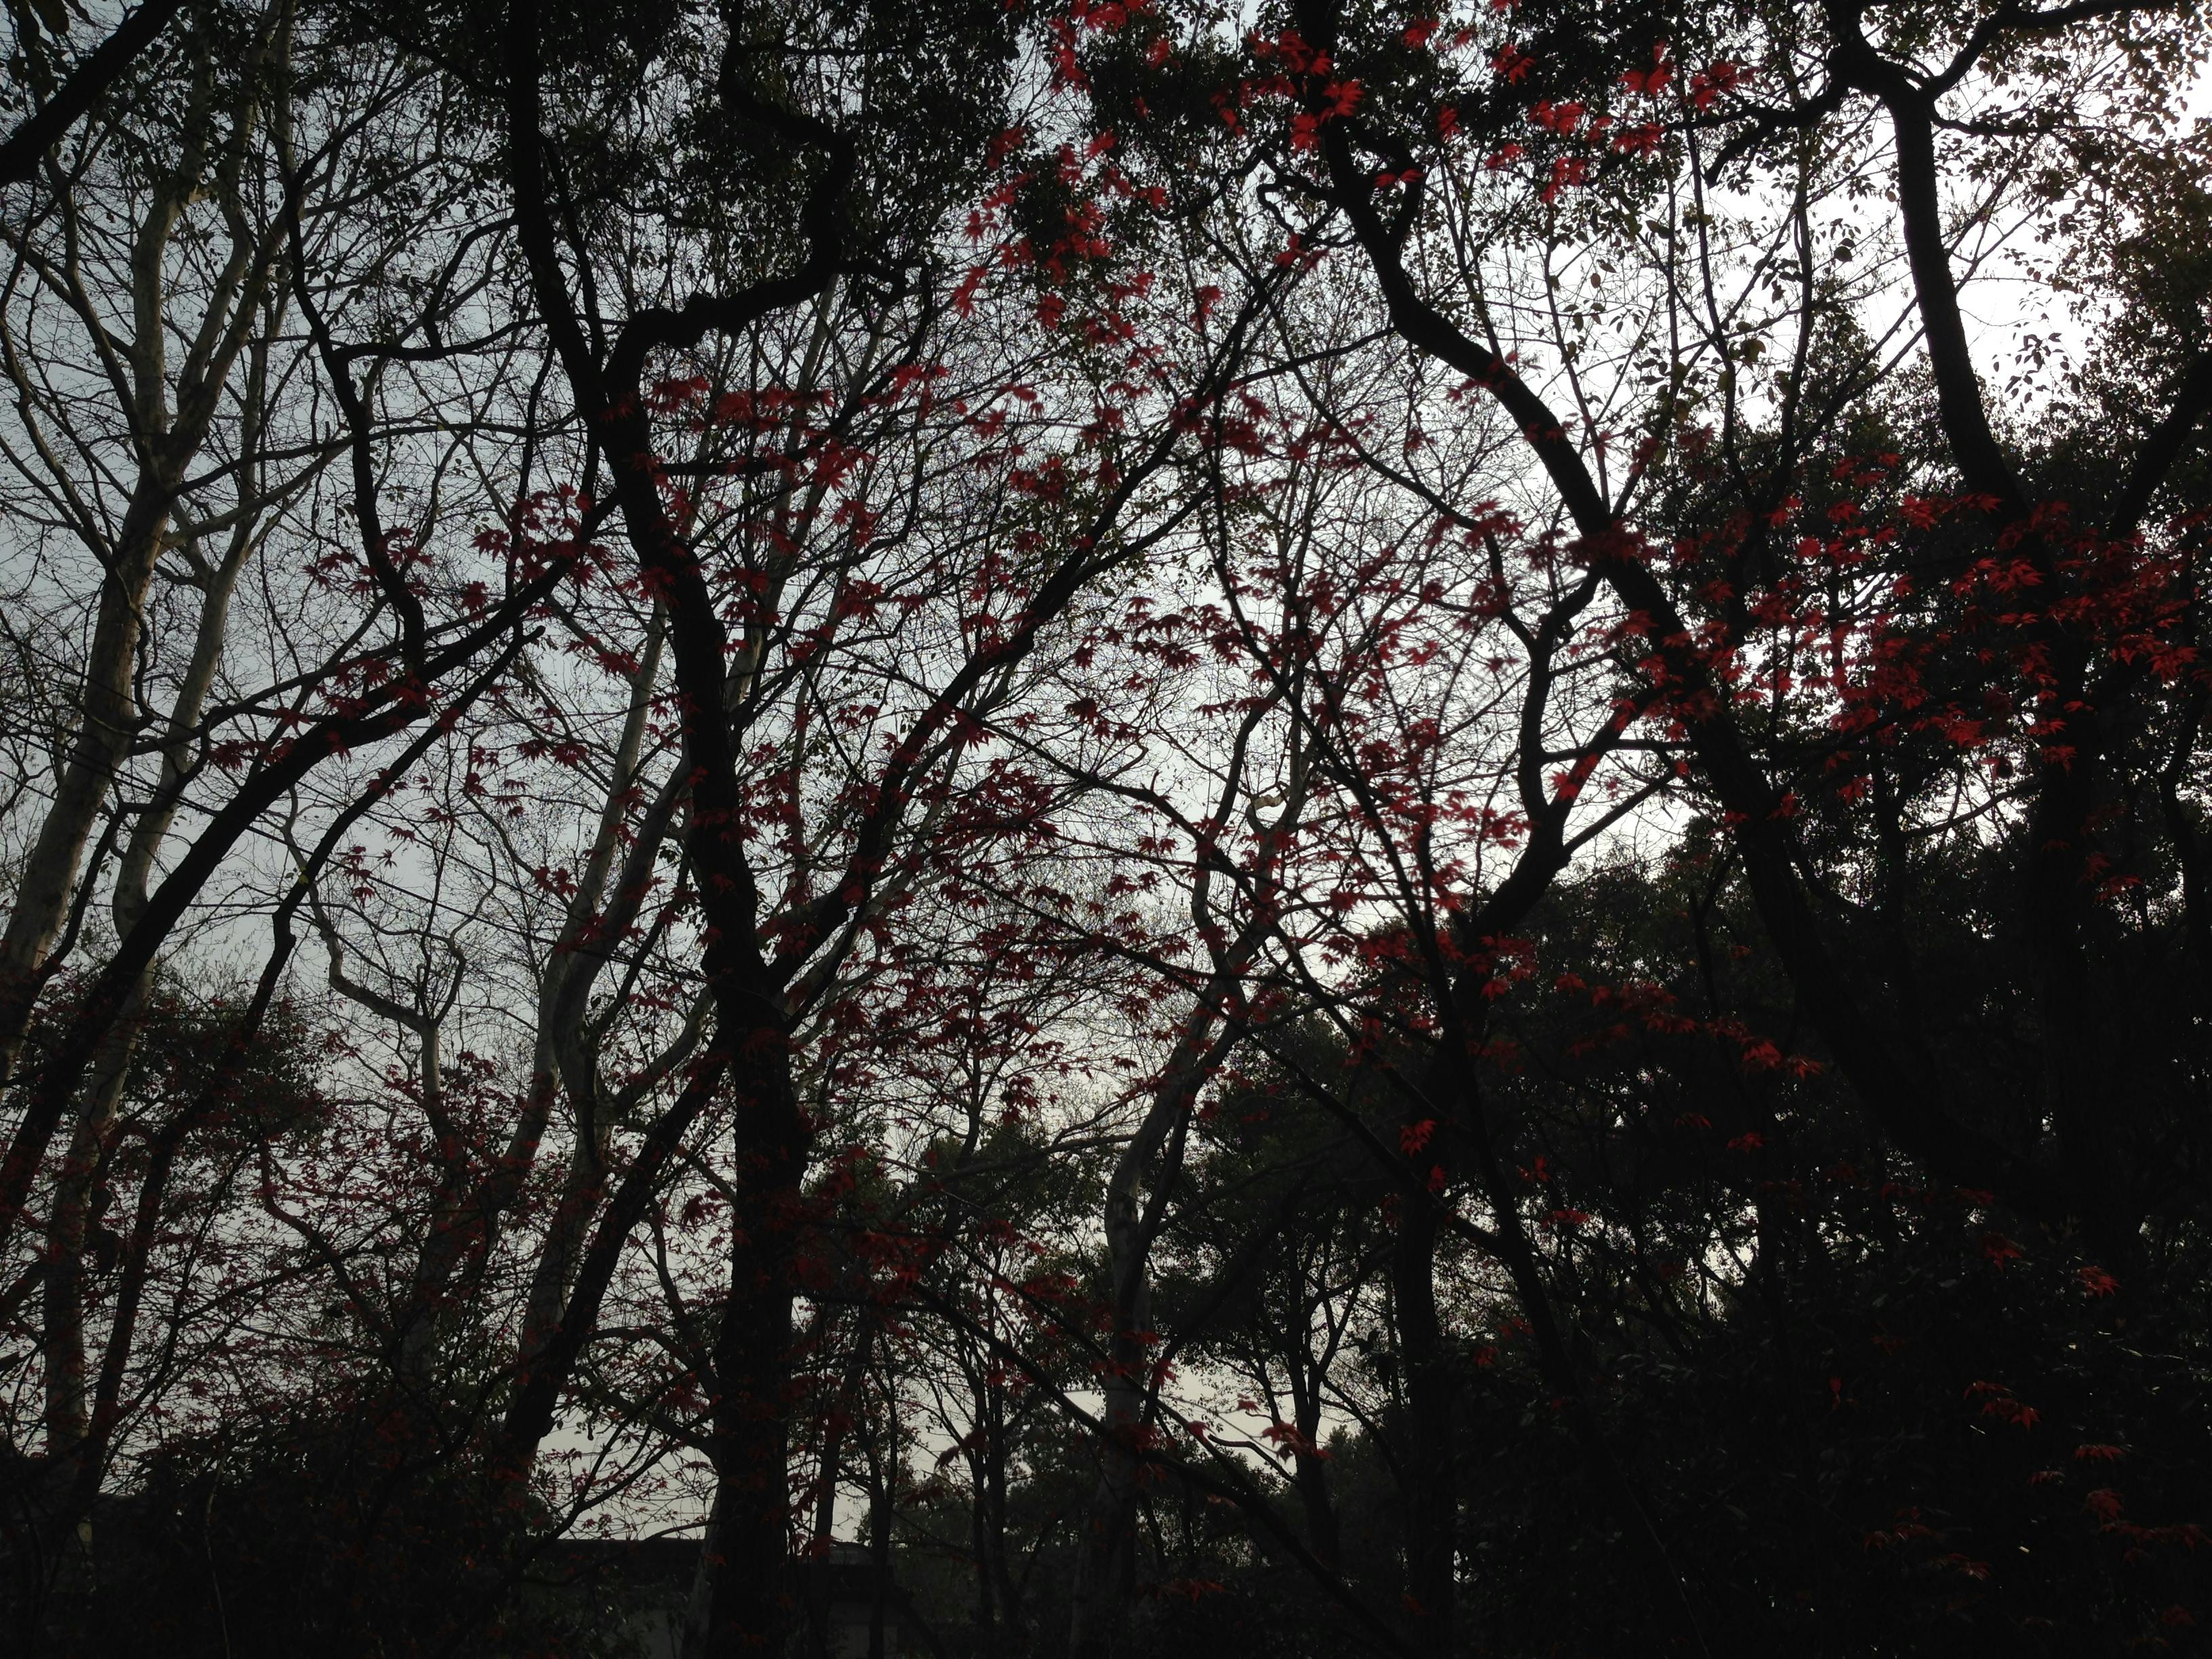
83	1470
1103	1563
468	1216
108	718
166	440
565	1064
547	1365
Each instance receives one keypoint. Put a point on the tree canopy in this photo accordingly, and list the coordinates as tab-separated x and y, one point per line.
1017	827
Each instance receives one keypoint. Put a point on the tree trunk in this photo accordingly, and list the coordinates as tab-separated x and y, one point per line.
749	1599
1310	1471
67	1232
166	443
107	714
1104	1549
1431	1485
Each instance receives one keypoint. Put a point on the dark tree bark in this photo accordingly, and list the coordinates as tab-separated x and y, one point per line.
24	149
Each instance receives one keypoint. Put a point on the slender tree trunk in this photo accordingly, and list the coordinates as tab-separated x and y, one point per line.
562	1057
749	1599
835	1423
1311	1478
1104	1551
108	716
979	1538
63	1334
1310	1471
1431	1484
166	442
1105	1548
1011	1631
61	1343
879	1547
553	1276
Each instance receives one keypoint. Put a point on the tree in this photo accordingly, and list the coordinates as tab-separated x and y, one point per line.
1329	829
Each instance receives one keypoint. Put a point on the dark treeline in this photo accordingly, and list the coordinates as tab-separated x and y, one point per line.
991	829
